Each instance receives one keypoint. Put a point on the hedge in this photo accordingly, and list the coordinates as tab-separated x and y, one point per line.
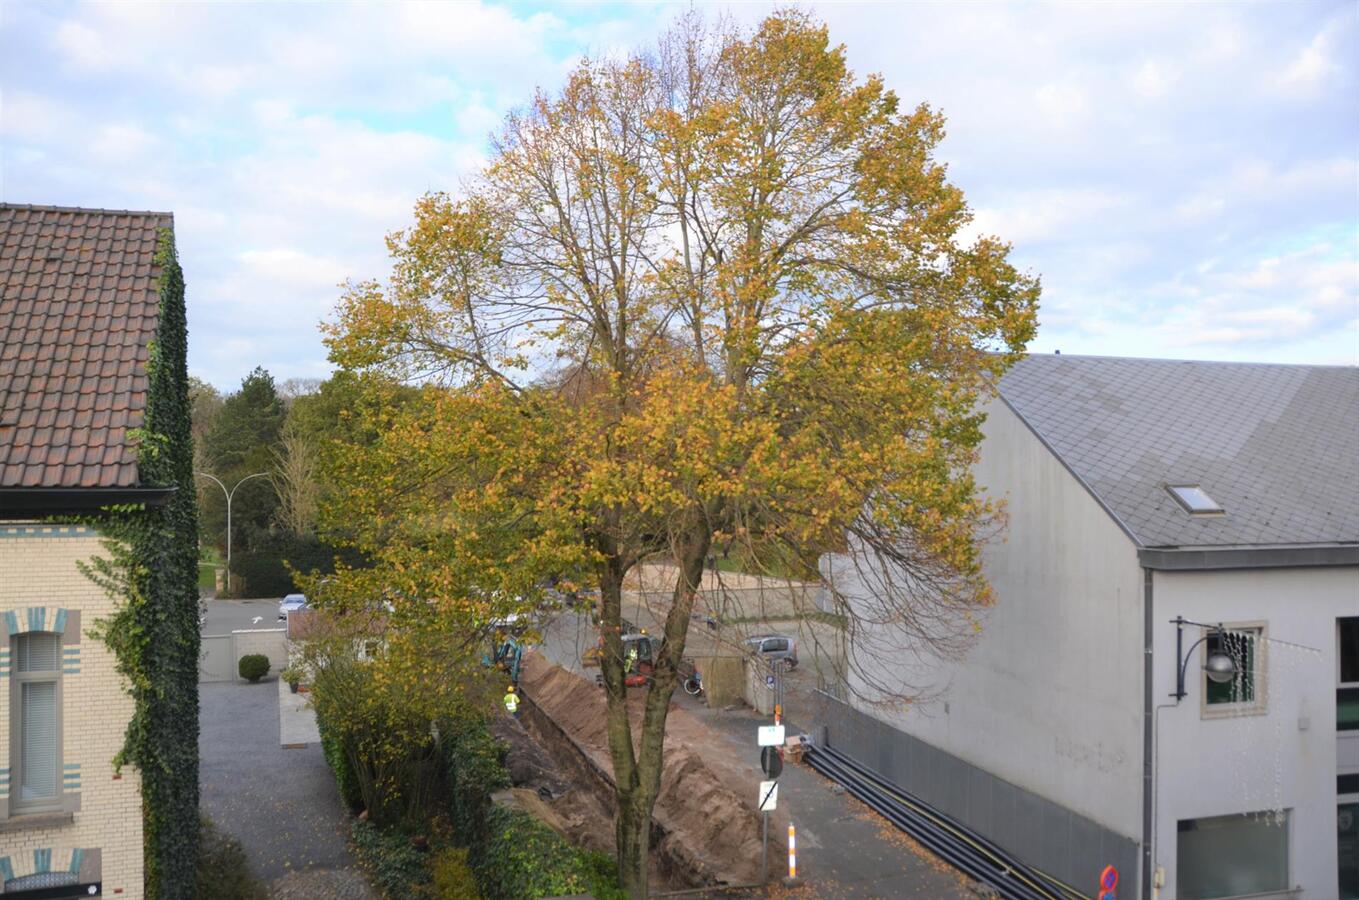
512	855
345	779
398	868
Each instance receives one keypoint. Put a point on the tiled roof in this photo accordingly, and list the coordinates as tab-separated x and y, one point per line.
78	306
1276	446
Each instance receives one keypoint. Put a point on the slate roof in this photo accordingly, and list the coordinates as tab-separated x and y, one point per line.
1276	446
78	307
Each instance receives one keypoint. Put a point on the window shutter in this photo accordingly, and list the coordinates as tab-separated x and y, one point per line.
38	765
38	652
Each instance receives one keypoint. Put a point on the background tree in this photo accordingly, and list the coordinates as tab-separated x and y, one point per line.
716	292
243	439
295	480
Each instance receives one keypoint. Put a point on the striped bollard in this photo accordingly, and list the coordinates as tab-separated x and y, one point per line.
791	880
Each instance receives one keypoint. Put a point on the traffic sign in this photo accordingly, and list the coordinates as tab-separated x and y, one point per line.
771	735
769	796
1108	883
769	680
771	761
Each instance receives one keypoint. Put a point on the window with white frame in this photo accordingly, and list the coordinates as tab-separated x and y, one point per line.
1245	644
1347	674
1231	856
35	770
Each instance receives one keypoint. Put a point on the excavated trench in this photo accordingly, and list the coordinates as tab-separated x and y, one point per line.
702	835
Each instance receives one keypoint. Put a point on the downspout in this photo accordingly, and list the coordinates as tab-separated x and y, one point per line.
1148	774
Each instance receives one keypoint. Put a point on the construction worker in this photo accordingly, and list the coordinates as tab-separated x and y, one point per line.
632	659
511	701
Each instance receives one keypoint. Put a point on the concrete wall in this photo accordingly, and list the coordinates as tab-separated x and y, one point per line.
1049	700
1287	756
99	831
272	642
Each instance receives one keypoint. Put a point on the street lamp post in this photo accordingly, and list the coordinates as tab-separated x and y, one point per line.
229	494
1220	667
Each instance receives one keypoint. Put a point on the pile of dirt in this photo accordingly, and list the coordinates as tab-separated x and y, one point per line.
708	834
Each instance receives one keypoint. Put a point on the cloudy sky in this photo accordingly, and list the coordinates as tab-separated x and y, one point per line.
1185	178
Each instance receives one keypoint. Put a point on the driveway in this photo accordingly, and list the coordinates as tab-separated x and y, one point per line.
282	805
225	616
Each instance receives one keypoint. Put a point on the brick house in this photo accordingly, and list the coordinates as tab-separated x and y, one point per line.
80	303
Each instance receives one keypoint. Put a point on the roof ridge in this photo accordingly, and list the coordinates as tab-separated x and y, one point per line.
1208	362
38	207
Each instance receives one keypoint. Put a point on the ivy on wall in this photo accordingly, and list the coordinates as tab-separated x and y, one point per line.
151	571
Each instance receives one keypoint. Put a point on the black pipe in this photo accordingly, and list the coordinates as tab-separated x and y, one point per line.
1010	860
990	868
973	863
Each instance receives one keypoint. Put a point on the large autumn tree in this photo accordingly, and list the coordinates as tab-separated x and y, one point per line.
716	291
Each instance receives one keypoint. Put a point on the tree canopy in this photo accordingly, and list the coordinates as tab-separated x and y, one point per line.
714	292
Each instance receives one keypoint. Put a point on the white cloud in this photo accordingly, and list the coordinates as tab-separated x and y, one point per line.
1153	79
83	47
1312	66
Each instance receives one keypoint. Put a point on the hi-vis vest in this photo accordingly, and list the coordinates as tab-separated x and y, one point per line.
512	703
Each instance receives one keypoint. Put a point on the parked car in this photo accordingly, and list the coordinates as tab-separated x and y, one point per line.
292	603
774	646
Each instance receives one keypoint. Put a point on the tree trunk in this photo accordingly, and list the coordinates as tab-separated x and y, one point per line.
637	775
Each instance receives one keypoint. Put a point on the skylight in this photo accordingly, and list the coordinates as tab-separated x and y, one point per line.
1195	500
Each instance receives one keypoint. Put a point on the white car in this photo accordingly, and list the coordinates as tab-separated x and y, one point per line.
292	603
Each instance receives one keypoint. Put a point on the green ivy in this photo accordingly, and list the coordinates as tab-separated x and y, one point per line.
151	571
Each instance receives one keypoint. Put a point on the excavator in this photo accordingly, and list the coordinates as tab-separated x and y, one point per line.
638	655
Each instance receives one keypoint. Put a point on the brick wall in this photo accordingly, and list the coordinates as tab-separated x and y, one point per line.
38	570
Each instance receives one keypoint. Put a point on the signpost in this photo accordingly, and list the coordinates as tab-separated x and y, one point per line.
769	799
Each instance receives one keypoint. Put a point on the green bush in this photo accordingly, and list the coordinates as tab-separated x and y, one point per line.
223	873
338	760
451	877
525	858
512	854
397	868
253	666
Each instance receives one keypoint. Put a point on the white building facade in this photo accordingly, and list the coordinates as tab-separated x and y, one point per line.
1058	735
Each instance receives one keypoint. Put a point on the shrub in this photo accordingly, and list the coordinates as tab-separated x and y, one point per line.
223	873
338	761
397	868
451	876
253	666
525	858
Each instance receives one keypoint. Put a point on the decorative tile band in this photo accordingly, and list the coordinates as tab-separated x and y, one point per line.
43	861
45	531
35	618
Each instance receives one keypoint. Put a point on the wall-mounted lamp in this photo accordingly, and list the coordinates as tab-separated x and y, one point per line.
1221	667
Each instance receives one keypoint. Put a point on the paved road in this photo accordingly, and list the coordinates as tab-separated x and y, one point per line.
224	616
281	805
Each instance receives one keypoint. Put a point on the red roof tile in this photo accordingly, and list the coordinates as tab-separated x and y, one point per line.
78	306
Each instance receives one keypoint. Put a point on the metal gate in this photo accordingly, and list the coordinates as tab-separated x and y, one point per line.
215	658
